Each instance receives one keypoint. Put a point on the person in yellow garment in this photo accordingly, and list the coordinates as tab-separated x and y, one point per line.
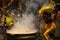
49	26
9	20
48	22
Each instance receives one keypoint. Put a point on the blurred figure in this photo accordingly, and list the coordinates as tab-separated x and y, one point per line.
48	25
1	23
57	21
9	20
2	19
2	26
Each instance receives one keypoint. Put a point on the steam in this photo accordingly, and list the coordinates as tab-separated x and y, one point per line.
25	24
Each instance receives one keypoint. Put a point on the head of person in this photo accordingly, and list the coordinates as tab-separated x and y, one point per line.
47	16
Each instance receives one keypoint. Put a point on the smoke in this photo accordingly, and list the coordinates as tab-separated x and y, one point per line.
42	1
25	24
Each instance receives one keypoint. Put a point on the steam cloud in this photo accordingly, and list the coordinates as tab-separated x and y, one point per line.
25	24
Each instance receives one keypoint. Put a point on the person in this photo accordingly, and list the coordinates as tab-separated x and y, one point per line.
47	22
57	22
2	16
1	23
9	20
57	19
49	26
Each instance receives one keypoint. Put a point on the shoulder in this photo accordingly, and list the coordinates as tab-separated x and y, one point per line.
53	24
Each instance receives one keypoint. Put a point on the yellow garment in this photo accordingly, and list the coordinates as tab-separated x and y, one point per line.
47	8
9	21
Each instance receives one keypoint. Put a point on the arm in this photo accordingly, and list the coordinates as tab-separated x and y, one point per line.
49	30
